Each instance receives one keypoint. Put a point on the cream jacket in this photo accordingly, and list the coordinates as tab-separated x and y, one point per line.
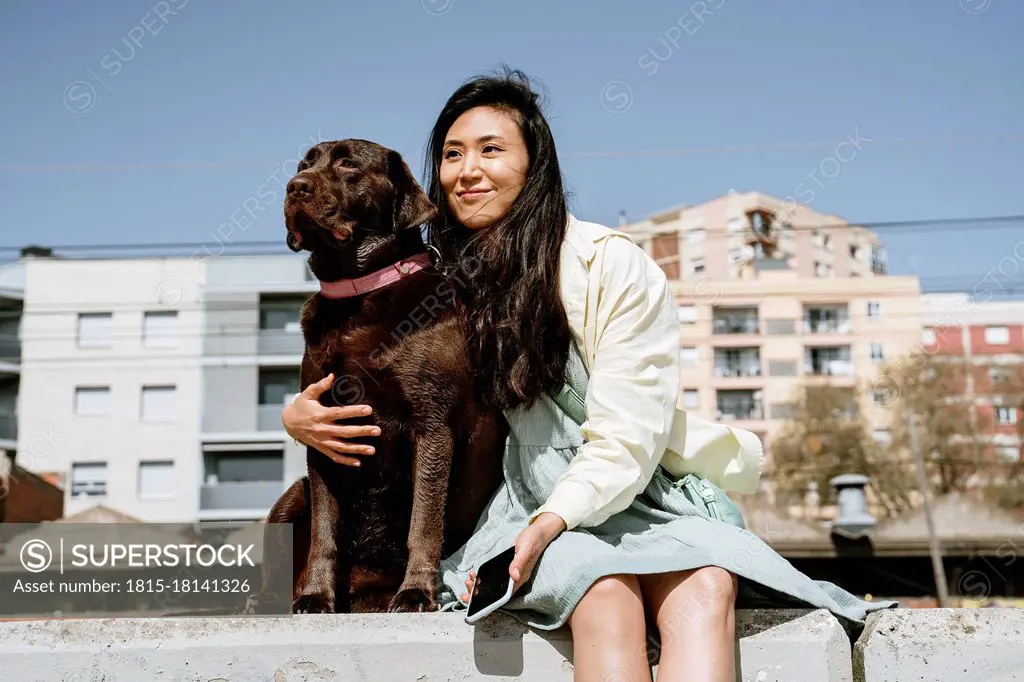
632	334
628	330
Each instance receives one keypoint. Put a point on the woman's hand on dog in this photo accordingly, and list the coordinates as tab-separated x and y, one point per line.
309	422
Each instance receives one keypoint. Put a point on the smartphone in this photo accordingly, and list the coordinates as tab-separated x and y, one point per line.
492	587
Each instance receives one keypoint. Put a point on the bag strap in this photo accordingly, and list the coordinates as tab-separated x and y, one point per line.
571	403
567	397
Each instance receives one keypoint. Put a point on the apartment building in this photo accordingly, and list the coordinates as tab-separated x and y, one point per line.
12	288
726	235
988	338
773	297
252	350
110	381
154	386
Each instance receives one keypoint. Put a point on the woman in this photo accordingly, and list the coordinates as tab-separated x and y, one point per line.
596	526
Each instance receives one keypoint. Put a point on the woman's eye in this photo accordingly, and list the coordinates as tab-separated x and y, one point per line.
451	153
492	148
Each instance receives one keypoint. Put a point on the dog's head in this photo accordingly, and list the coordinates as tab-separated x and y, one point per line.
348	191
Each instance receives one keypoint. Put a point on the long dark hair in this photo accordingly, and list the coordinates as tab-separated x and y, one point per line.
517	327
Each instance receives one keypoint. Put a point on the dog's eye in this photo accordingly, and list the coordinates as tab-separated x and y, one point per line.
346	163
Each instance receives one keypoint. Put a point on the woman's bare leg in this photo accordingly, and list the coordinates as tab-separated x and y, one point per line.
696	617
609	633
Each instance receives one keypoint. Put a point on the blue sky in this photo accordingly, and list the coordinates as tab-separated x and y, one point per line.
164	139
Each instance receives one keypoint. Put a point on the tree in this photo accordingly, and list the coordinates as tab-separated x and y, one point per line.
828	436
952	434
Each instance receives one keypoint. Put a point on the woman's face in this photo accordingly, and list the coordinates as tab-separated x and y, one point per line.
483	166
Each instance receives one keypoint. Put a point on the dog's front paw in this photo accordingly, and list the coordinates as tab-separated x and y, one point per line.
414	599
311	603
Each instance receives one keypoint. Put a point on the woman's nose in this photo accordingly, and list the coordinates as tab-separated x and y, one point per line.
470	166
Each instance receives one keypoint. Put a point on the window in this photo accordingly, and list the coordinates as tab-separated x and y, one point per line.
281	313
884	397
156	480
928	336
782	410
696	236
997	335
160	329
159	403
95	330
780	327
782	368
243	467
92	400
877	351
1010	453
1000	375
874	310
88	479
736	225
278	386
688	356
696	266
1006	415
687	314
691	398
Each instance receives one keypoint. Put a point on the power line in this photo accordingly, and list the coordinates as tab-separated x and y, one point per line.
94	306
621	153
219	243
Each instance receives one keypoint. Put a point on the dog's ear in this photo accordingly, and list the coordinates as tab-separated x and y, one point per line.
294	241
412	206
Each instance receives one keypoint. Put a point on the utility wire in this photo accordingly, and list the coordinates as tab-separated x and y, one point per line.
608	153
213	247
683	299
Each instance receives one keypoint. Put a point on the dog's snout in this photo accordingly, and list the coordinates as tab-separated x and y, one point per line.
300	185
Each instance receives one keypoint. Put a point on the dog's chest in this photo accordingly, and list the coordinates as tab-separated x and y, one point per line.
359	355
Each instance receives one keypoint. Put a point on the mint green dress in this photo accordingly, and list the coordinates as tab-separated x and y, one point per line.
660	531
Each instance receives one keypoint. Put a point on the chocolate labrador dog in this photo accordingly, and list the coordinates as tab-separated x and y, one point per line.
387	324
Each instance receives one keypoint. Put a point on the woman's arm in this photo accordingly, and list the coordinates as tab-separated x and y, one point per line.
631	395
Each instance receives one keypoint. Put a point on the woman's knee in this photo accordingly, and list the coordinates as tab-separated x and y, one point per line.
690	597
615	594
715	586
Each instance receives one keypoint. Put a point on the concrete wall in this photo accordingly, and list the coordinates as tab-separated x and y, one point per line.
773	646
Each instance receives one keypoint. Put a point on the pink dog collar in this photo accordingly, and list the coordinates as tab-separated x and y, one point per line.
346	288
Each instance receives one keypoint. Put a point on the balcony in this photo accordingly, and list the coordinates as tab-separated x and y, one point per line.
242	495
739	405
828	362
243	482
737	363
736	321
10	351
280	342
8	426
280	333
826	320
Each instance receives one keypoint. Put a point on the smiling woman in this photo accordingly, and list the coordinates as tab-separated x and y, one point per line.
485	166
605	539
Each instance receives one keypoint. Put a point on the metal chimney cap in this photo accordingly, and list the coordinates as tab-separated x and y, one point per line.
849	481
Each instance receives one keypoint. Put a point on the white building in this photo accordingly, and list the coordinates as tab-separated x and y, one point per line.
155	385
12	287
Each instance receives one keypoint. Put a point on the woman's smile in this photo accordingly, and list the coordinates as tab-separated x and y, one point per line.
484	166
